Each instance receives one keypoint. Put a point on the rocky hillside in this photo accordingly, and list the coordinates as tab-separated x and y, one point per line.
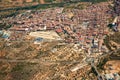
113	41
26	61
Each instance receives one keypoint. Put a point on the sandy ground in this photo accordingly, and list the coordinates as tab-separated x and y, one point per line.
46	35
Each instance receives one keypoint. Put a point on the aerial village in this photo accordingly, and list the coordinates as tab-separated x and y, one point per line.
85	29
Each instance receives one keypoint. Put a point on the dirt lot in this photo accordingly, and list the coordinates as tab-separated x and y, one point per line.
51	35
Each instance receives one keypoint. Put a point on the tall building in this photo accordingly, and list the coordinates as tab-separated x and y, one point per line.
117	7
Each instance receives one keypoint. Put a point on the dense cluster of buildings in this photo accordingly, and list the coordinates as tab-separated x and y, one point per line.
86	27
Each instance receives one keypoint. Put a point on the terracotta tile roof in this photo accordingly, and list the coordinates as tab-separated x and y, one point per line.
59	30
